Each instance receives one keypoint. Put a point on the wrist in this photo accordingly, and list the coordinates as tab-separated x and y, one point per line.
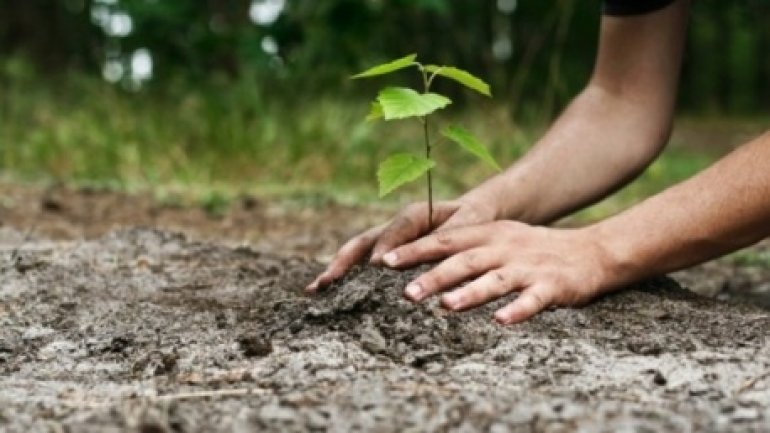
497	197
483	201
620	259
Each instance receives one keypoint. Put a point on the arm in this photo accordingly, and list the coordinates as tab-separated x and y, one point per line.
722	209
718	211
610	132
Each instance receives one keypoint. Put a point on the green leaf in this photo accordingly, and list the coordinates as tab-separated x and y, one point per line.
387	68
470	143
399	169
375	112
465	78
400	103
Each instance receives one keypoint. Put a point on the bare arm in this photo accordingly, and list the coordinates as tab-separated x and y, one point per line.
720	210
610	132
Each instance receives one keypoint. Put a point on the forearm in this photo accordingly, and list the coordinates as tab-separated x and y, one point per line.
724	208
609	133
600	142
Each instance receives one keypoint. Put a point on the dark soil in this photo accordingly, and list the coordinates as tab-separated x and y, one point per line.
298	226
147	330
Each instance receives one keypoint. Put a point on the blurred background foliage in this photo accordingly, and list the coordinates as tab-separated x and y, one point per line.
256	92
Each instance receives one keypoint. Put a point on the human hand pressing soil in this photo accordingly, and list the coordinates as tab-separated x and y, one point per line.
672	230
549	267
411	223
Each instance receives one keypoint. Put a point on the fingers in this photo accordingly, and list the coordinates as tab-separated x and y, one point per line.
410	224
346	257
452	272
438	245
490	286
530	302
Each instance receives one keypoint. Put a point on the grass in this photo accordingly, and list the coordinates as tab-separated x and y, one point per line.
221	140
750	258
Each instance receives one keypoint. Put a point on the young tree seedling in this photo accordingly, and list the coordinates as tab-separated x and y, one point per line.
397	103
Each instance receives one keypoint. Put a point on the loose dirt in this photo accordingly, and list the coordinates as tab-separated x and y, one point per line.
149	330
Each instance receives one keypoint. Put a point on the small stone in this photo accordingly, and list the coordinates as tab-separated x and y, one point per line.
698	390
255	346
36	332
745	414
644	347
659	379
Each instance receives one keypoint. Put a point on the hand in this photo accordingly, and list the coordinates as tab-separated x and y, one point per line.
549	267
410	224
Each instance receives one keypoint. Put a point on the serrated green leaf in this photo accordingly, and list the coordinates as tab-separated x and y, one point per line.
399	169
387	68
468	142
375	112
463	77
400	103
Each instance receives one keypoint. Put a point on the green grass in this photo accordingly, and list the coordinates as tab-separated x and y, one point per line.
751	258
222	140
222	137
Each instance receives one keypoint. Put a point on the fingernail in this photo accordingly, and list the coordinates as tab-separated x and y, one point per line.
501	319
312	286
414	291
452	301
390	258
376	256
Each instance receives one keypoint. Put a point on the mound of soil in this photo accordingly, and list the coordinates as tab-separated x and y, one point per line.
144	330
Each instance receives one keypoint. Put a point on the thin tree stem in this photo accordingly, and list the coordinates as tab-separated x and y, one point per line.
430	180
427	81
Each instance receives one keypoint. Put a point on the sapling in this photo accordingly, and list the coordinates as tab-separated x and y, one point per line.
397	103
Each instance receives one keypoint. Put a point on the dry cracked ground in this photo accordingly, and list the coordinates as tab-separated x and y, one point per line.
196	325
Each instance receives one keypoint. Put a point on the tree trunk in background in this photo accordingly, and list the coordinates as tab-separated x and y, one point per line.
727	66
227	18
53	34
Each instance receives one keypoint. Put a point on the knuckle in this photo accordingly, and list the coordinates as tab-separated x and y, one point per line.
538	301
401	221
444	238
490	291
470	260
500	284
499	277
556	279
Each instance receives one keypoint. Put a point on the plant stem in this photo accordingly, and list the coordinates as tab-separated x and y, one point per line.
426	81
430	181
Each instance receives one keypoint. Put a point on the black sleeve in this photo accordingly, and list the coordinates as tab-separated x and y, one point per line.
633	7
